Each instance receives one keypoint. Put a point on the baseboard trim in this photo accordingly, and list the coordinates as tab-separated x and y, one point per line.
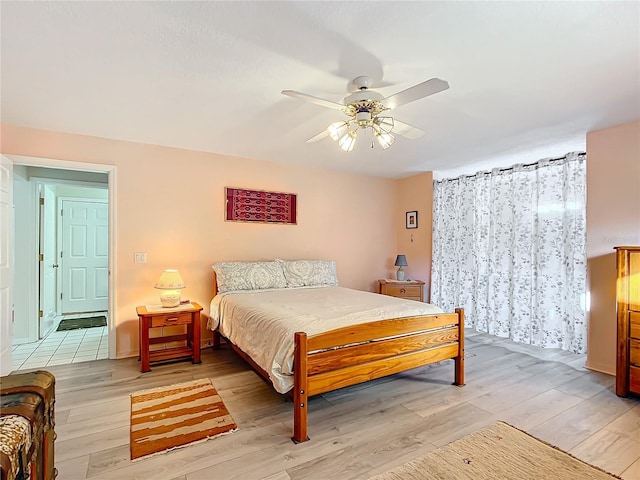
600	368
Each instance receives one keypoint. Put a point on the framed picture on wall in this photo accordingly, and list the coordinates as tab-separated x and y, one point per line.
412	219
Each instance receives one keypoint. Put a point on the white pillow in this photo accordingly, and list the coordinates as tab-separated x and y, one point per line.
233	276
302	273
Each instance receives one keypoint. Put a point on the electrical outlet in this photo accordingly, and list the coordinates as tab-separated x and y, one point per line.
139	257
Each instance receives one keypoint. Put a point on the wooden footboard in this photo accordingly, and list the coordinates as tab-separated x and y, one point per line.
356	354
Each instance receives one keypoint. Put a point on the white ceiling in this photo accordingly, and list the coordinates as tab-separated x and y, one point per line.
527	79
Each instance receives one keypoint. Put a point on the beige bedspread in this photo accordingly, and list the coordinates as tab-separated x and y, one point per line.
263	322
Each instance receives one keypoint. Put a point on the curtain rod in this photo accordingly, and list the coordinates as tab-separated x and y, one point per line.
564	157
488	172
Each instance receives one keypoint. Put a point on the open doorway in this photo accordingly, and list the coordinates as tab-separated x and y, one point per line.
61	266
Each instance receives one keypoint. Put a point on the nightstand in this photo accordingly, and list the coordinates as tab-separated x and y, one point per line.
412	290
187	315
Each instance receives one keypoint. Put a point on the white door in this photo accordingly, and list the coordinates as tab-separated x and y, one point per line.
6	261
84	256
48	259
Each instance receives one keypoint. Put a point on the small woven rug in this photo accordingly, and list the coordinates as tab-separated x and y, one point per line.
165	418
86	322
498	451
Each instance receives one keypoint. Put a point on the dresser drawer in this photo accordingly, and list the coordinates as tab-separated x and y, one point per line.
170	319
634	352
634	325
634	379
403	290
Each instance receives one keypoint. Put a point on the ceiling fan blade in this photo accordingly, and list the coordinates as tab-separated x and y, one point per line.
416	92
320	136
315	100
406	130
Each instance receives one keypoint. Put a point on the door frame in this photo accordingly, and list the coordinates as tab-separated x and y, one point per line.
44	234
110	170
6	265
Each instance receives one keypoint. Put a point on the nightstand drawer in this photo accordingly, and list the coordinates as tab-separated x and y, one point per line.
411	290
634	324
170	319
404	290
417	299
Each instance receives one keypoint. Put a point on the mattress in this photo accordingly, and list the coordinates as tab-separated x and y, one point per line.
262	323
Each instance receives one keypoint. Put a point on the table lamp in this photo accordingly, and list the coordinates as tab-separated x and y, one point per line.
401	261
170	282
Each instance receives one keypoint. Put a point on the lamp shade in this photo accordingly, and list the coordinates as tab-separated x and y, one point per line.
170	280
385	139
401	261
383	124
337	130
347	141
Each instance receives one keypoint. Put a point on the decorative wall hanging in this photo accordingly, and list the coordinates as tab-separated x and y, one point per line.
260	206
412	219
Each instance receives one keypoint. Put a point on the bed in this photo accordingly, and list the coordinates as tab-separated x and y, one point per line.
307	335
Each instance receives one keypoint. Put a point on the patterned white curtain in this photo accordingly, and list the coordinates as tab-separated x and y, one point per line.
509	246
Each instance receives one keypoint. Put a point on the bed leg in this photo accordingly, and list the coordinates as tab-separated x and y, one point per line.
216	340
459	360
300	389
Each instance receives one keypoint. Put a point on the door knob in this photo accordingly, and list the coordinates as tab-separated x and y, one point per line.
55	265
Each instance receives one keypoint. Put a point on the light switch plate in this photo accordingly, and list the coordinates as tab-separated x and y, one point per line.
139	257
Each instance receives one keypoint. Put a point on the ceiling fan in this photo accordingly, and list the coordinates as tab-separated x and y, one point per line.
364	108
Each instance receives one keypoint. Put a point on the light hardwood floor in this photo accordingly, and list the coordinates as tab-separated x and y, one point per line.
355	432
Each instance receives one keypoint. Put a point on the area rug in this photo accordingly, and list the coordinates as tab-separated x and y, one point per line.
165	418
498	451
75	323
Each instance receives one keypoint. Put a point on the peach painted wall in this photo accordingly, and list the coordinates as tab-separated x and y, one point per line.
613	219
170	204
415	193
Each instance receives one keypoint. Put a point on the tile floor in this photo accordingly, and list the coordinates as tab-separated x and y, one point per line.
62	348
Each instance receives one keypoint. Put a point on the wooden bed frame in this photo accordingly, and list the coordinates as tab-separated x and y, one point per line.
356	354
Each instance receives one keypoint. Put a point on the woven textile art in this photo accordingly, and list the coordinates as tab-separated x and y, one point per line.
498	451
165	418
259	206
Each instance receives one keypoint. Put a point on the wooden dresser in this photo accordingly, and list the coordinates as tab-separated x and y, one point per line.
411	290
628	304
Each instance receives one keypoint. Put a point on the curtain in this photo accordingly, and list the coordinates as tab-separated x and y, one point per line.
509	246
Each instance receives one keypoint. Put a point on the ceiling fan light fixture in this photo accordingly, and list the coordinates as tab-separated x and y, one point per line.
385	139
337	130
363	119
363	108
383	124
348	141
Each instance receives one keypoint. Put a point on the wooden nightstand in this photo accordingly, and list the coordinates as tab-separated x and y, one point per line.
167	317
413	290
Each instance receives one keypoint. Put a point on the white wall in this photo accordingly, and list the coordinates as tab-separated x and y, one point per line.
613	219
25	249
